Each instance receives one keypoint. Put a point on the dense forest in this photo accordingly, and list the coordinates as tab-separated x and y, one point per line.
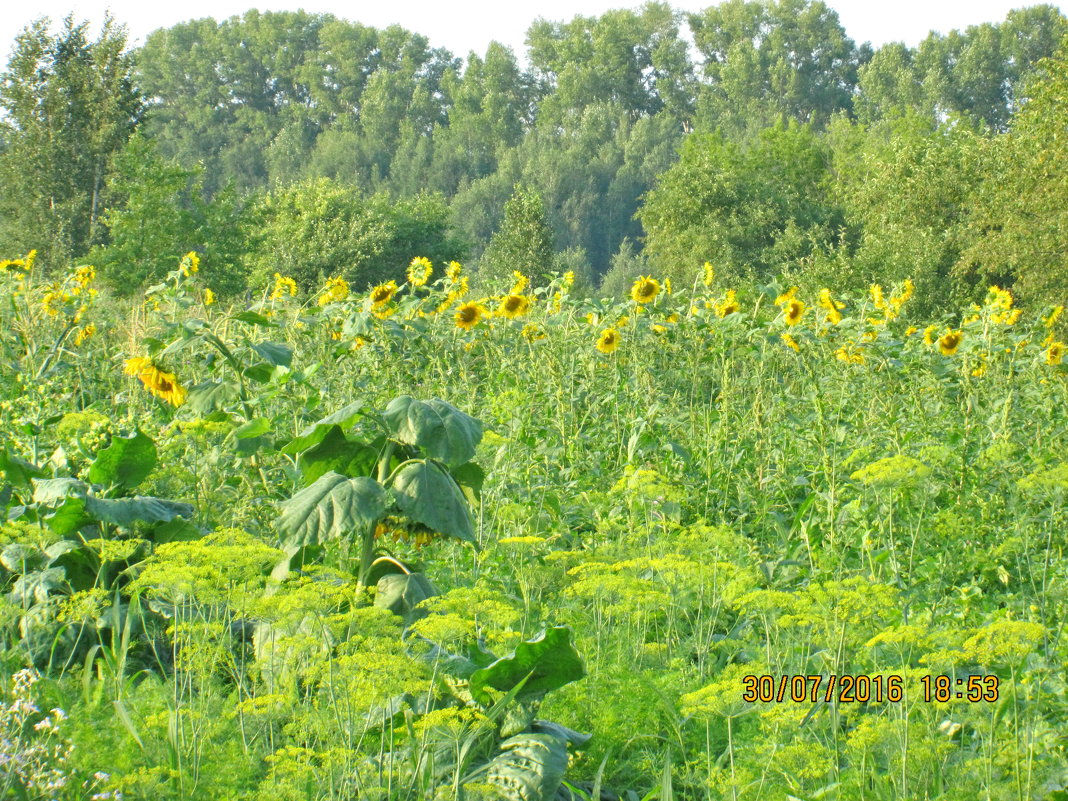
755	135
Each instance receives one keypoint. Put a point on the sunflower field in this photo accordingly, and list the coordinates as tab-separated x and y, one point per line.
704	542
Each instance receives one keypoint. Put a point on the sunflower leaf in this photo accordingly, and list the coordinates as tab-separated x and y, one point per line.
126	462
427	494
439	428
334	506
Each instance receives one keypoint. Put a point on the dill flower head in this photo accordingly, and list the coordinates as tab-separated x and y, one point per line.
337	289
708	274
729	304
383	294
521	283
1055	353
608	341
469	315
419	271
645	290
513	306
949	342
793	311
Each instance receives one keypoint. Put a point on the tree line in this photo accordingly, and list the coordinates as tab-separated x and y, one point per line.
314	146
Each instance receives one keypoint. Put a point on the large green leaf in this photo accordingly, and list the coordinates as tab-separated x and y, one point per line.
334	506
337	453
138	509
427	494
400	593
125	463
53	491
439	428
317	431
211	395
530	767
275	353
17	470
549	658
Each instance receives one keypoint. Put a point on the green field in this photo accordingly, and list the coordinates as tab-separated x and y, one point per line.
369	545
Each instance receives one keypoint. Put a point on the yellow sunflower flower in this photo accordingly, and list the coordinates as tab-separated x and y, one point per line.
521	283
337	289
282	286
382	294
608	341
419	271
209	297
161	384
928	335
793	311
729	304
790	342
533	332
513	306
786	296
708	274
469	315
1055	353
949	342
831	306
645	290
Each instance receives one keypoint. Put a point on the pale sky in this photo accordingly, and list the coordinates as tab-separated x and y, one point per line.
465	26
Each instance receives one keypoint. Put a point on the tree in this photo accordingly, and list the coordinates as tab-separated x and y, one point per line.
752	210
1019	213
524	242
767	62
70	104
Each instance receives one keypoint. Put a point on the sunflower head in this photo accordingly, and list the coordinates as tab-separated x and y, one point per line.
793	311
337	288
645	290
514	306
533	332
790	342
383	294
419	271
949	342
521	283
608	341
1055	353
729	304
708	274
469	315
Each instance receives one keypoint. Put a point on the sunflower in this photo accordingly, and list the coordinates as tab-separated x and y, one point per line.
533	332
382	294
209	297
469	315
419	271
832	307
928	335
729	305
786	296
1055	313
1055	353
163	385
283	285
513	306
708	274
645	290
608	341
790	342
337	288
453	270
793	311
877	298
949	342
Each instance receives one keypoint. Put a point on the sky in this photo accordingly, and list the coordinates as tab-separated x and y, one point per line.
464	26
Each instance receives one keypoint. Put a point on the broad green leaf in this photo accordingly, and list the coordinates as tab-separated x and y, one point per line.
19	557
260	372
125	463
439	428
338	454
68	516
427	494
210	395
334	506
138	509
252	318
530	767
35	587
470	477
550	659
17	470
317	431
51	491
400	593
274	353
256	427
